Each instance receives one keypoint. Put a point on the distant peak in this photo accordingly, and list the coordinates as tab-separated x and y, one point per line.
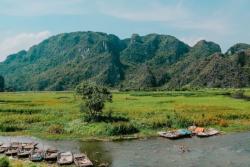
238	48
208	45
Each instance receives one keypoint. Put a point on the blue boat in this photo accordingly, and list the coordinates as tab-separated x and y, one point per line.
176	134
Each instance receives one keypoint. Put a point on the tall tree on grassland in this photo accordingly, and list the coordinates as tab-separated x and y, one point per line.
94	98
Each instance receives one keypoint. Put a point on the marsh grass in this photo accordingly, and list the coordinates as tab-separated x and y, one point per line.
58	115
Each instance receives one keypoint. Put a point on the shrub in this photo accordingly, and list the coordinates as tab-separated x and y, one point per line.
4	162
9	128
155	123
56	129
182	122
32	119
122	128
206	121
223	123
108	117
239	94
32	165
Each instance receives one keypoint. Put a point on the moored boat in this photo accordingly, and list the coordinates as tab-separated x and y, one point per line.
25	151
208	132
51	154
195	129
36	155
65	158
176	134
3	148
81	160
32	144
13	149
15	144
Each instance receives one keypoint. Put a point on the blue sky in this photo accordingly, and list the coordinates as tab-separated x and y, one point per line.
28	22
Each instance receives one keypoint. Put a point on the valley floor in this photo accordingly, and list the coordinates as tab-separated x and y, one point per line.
56	115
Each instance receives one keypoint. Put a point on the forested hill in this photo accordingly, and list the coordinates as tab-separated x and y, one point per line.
139	62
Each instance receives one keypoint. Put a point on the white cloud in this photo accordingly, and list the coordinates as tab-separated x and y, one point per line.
19	42
43	7
191	41
154	11
172	15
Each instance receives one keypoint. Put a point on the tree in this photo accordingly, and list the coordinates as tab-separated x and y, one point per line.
94	98
1	83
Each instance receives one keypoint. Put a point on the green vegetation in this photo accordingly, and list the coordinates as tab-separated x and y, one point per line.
94	99
131	114
4	162
150	62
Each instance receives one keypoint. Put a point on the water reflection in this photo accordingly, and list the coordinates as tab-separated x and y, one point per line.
97	152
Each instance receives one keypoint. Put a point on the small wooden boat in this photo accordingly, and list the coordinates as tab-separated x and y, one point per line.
29	144
3	148
36	155
81	160
65	158
195	129
51	154
169	134
208	132
176	134
25	151
15	144
11	151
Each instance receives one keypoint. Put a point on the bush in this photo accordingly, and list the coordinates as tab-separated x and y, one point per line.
223	123
108	117
155	123
4	162
56	129
32	119
33	165
122	128
10	128
182	122
208	121
239	94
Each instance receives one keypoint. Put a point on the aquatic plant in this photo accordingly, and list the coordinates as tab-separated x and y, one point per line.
4	162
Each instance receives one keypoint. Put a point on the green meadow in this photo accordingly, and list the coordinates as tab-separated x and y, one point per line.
56	115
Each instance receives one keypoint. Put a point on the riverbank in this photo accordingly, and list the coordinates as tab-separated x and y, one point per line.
132	115
24	163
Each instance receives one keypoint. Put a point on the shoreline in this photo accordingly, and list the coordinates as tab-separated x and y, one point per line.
105	139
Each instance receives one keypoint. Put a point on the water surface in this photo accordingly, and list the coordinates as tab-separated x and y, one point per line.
232	150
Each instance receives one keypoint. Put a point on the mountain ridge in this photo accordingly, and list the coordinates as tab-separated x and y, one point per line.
140	62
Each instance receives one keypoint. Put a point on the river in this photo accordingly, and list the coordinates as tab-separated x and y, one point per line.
231	150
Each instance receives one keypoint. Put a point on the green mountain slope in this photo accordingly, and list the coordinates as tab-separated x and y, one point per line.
139	62
64	60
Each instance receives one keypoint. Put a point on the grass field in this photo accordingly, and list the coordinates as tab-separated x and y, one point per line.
57	114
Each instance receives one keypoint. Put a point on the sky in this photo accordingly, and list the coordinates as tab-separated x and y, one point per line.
24	23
